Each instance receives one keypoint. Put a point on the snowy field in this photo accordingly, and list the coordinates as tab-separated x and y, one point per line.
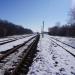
53	59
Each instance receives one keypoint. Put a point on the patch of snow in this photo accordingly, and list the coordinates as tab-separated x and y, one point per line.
10	45
52	59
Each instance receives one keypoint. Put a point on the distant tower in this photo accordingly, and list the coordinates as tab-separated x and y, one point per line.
42	31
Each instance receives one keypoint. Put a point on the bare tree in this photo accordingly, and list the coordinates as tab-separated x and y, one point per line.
72	16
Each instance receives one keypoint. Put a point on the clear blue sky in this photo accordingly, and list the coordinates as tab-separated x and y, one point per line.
31	13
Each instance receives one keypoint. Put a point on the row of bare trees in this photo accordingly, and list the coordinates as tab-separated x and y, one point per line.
8	29
65	30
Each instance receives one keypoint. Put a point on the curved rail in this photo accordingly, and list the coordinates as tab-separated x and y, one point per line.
8	41
52	39
63	42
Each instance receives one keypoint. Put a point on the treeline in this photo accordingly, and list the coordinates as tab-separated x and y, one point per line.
8	29
65	30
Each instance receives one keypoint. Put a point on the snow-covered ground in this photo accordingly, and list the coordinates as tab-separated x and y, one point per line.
67	40
67	46
10	45
52	59
14	37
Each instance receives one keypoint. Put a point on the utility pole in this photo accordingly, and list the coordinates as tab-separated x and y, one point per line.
42	31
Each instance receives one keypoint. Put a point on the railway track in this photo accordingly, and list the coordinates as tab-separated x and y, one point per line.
63	42
10	51
15	60
12	39
65	46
